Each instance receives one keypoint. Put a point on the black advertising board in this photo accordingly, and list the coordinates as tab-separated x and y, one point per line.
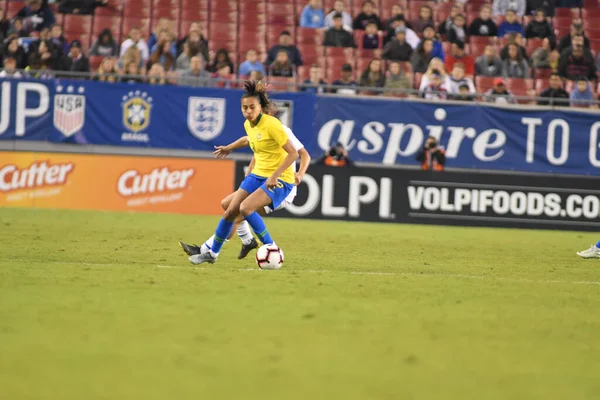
446	198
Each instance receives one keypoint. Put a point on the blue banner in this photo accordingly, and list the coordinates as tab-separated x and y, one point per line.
474	136
379	130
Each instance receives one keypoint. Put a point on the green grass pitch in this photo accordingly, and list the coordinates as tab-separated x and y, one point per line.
100	305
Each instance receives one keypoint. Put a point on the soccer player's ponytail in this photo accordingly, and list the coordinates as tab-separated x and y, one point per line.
257	89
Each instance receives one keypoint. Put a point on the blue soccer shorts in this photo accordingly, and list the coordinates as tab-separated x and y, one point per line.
277	195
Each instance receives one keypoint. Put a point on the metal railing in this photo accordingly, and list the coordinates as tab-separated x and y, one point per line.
174	78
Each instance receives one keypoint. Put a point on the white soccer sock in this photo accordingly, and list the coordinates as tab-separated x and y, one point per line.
208	245
243	231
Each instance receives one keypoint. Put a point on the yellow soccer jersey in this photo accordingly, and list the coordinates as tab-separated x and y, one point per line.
266	141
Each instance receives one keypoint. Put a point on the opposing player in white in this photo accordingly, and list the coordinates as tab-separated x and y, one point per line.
243	228
592	252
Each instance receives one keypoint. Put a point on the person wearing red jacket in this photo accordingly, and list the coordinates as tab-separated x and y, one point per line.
458	54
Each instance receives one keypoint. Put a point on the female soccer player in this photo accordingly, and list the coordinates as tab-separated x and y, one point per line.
241	227
272	178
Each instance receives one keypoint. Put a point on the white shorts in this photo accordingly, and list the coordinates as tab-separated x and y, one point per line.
288	200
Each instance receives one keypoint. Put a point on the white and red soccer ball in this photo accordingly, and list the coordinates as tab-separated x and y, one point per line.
269	256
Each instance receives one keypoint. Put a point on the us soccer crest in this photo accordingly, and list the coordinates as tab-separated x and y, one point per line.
206	117
69	109
136	110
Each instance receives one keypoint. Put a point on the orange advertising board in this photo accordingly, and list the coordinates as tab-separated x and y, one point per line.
119	183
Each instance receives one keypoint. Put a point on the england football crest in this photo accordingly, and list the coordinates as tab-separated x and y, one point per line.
136	110
69	109
206	117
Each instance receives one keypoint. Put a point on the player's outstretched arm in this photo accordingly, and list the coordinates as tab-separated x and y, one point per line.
223	151
292	155
304	163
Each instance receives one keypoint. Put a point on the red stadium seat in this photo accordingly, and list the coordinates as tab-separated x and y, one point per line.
418	78
484	83
302	73
541	84
142	23
533	45
77	24
137	9
477	49
165	12
101	23
566	12
443	10
95	62
248	7
281	84
542	73
217	16
482	40
195	14
14	7
195	4
112	9
563	21
308	36
520	87
311	54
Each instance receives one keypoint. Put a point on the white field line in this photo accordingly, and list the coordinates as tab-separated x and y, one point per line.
316	271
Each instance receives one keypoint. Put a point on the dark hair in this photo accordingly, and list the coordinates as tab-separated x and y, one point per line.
257	89
337	15
460	44
554	73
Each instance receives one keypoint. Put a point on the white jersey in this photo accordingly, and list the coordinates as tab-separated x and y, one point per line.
297	145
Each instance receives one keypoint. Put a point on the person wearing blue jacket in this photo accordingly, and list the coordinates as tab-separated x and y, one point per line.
438	49
36	15
313	15
510	24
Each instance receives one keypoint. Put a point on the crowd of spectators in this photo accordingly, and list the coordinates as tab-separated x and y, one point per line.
468	51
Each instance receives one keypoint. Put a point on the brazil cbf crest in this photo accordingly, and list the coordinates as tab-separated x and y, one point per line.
69	109
136	110
206	117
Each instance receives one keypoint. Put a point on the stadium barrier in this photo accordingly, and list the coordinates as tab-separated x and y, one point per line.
377	194
114	183
374	129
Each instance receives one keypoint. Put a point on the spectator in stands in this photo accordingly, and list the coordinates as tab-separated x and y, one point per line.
107	71
132	55
4	25
488	64
397	11
499	94
16	51
420	59
221	59
36	16
546	56
76	60
10	69
313	15
17	28
510	24
105	45
398	49
400	24
156	75
432	156
434	90
501	7
337	36
368	14
539	27
598	62
80	7
464	94
449	21
458	79
43	57
251	64
438	48
582	95
282	66
183	60
483	25
578	62
424	20
514	38
196	75
197	46
436	66
135	39
349	84
395	78
222	77
256	76
555	94
285	43
576	30
163	25
58	40
315	82
546	5
44	35
339	7
163	56
457	32
515	66
372	76
458	54
164	38
370	39
132	73
194	37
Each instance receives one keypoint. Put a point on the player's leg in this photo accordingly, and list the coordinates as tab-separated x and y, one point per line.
592	252
223	229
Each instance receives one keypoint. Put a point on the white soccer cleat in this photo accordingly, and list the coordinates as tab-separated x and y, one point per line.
592	252
202	258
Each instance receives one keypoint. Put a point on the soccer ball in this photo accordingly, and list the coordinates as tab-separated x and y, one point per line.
269	256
